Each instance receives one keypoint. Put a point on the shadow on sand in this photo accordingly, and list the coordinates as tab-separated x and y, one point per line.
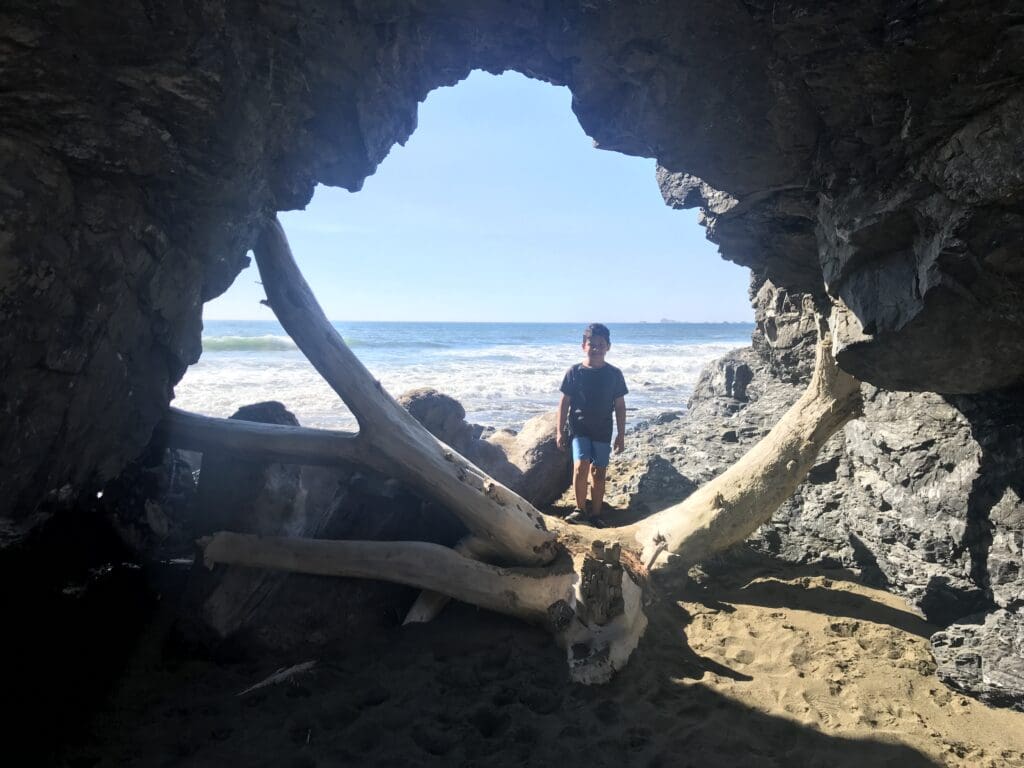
472	688
732	585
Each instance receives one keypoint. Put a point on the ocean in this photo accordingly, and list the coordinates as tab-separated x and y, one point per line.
502	373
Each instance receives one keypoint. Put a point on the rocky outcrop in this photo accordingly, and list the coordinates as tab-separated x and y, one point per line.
983	655
246	497
866	154
528	461
922	495
913	170
543	471
445	418
245	611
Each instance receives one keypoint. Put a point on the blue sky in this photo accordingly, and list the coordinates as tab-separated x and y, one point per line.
499	208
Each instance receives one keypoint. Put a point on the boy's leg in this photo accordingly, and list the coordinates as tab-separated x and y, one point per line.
579	483
597	475
581	457
598	470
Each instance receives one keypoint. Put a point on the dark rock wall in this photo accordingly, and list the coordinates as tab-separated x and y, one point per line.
924	495
912	215
867	154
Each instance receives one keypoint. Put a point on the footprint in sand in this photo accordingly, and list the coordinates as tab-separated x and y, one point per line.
843	628
607	712
540	701
741	656
432	740
489	723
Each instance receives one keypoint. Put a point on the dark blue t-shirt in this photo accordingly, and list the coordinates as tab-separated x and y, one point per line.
592	394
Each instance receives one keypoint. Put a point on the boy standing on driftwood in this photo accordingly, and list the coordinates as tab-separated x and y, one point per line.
591	391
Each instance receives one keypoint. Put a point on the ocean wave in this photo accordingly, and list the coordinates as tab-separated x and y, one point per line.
402	344
274	343
248	344
500	393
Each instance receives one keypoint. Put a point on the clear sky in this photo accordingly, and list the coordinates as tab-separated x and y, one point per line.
499	208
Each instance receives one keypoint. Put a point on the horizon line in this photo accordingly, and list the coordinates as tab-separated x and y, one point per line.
495	322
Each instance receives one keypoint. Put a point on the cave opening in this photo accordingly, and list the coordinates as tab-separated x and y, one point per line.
144	148
485	244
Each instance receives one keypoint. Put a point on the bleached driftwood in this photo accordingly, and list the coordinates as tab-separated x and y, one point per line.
729	508
283	675
501	519
587	585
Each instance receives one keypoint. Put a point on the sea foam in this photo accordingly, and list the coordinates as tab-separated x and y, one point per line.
501	379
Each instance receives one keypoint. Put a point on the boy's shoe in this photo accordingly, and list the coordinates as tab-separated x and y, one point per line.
579	517
576	517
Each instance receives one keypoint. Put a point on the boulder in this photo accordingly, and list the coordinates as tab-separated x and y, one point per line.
442	415
249	496
983	655
543	471
245	497
243	611
528	462
307	614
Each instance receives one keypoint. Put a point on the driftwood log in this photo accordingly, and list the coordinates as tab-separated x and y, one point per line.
586	585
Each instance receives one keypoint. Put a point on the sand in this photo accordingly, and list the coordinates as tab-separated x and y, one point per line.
754	664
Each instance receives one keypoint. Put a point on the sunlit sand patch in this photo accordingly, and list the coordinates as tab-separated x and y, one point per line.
844	659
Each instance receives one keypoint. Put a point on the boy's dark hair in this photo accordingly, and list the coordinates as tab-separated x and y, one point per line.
597	329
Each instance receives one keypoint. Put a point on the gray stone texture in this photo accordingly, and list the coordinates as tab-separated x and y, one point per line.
983	655
922	495
248	610
868	154
527	461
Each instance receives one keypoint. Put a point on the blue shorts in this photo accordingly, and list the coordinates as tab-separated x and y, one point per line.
585	449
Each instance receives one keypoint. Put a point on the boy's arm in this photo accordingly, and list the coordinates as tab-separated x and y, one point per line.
563	413
620	423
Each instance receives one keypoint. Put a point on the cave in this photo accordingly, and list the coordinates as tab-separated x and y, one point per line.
863	161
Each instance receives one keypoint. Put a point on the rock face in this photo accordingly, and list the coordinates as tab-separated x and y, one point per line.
543	471
245	497
983	655
249	610
922	495
868	155
528	462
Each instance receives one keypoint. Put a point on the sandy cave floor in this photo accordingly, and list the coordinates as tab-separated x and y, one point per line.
763	664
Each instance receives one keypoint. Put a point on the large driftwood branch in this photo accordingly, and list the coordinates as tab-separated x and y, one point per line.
264	442
526	593
596	603
506	522
589	601
728	509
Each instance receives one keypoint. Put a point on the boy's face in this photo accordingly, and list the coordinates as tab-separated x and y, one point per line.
595	348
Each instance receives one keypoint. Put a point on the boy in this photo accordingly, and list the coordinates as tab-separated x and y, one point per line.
591	391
